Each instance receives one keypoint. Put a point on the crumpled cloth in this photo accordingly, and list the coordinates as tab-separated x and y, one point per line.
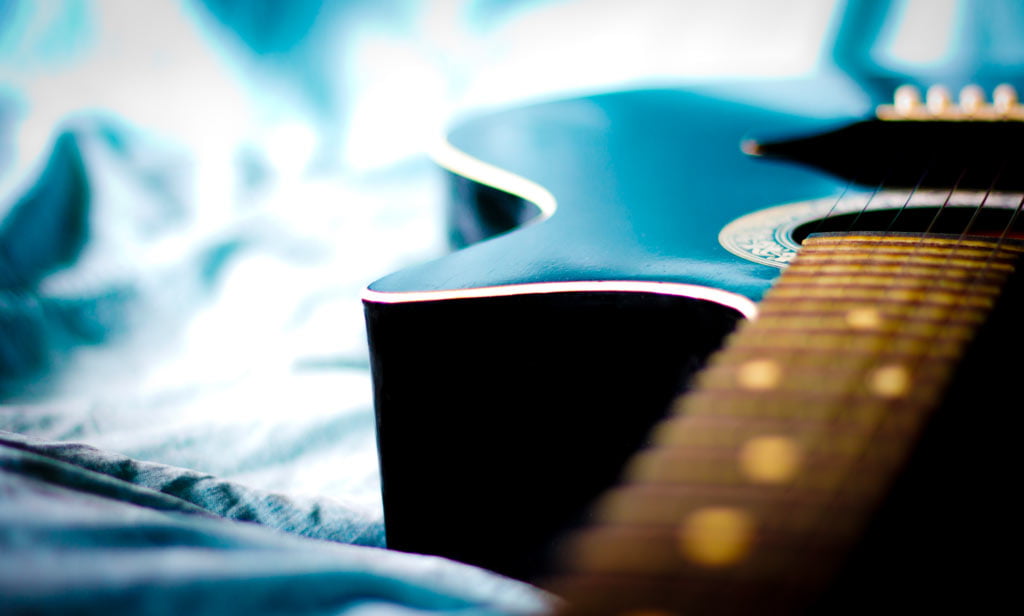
84	531
186	422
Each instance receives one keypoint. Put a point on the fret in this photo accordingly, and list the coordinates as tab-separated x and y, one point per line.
888	258
654	548
812	473
760	480
918	244
901	268
830	343
838	369
796	406
665	504
802	280
720	430
908	312
873	320
885	296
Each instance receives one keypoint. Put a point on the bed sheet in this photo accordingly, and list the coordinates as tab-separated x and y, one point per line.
186	420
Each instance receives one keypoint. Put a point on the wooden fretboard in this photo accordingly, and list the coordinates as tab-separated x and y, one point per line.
764	475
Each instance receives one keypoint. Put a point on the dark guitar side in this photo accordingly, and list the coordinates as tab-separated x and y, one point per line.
506	403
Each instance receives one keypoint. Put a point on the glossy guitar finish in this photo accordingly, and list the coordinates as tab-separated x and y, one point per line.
514	377
507	399
636	177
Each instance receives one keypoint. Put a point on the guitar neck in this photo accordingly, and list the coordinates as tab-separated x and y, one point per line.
761	480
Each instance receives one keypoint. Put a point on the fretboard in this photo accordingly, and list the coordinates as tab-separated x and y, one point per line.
762	478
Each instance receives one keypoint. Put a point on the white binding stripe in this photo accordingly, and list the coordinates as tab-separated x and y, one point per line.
741	304
457	161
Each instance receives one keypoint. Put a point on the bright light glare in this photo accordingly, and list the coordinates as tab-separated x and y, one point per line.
924	32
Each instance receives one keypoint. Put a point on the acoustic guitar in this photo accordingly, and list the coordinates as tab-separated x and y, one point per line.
796	333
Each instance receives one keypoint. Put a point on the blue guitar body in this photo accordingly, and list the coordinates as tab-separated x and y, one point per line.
634	193
515	376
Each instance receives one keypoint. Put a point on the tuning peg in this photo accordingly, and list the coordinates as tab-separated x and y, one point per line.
970	106
1004	98
972	99
907	100
939	100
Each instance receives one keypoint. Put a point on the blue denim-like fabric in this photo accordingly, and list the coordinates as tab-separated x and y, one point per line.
185	413
88	532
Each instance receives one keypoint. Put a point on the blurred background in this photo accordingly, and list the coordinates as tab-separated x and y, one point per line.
194	193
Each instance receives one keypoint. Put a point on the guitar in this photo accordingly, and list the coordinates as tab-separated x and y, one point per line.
822	311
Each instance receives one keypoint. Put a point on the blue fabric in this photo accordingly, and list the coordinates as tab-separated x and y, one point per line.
77	536
186	420
193	195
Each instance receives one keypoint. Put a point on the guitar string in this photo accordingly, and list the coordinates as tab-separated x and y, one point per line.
942	208
867	204
811	534
728	579
928	232
828	420
803	336
945	203
932	223
830	502
833	211
978	275
818	224
1012	222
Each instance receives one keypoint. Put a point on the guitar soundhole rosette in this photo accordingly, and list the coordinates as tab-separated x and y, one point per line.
772	236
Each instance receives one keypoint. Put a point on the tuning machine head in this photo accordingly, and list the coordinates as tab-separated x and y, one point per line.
938	105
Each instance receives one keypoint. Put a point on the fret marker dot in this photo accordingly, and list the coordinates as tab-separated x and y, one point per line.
864	318
770	459
717	536
759	374
892	381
